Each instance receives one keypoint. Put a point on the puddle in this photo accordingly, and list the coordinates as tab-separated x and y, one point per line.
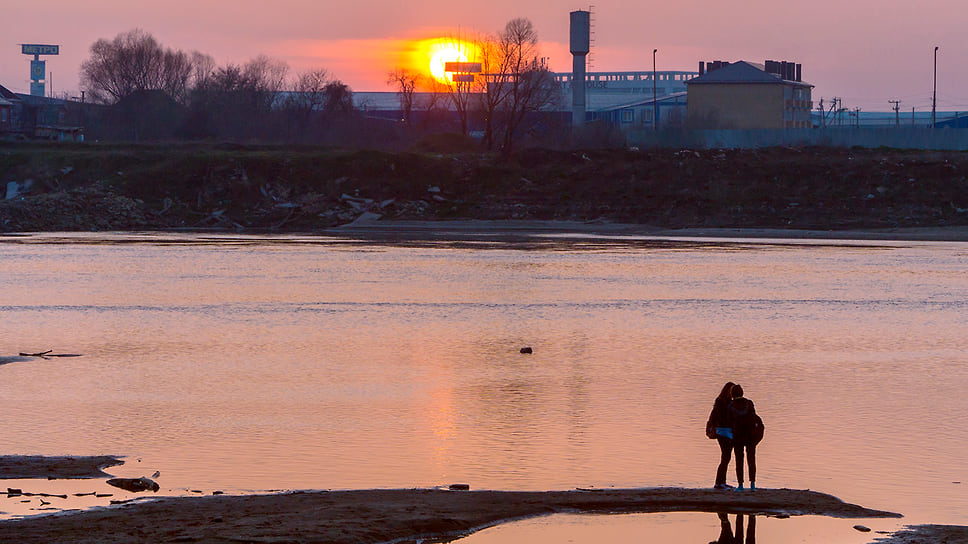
684	527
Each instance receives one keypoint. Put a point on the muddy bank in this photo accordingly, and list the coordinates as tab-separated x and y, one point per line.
928	534
372	516
14	467
279	189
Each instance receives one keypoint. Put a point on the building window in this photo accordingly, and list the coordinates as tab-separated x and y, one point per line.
628	116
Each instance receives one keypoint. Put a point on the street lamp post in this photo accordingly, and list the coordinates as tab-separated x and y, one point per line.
934	94
655	105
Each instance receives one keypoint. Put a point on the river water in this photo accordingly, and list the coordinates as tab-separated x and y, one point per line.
248	364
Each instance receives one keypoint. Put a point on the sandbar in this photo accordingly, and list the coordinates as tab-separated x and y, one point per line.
13	467
389	515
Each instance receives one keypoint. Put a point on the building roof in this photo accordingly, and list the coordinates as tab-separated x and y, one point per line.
32	100
5	94
742	72
674	98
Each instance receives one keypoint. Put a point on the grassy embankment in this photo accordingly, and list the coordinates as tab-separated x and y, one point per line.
124	187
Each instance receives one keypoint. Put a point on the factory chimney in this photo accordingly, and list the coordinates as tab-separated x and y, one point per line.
580	42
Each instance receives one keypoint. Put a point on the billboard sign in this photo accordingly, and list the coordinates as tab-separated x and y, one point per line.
463	78
36	88
37	69
39	49
463	67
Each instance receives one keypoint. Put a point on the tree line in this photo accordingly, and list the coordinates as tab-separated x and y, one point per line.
151	92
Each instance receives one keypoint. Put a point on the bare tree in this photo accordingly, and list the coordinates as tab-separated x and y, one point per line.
266	77
405	81
493	85
309	91
203	67
236	100
461	87
530	85
339	98
134	61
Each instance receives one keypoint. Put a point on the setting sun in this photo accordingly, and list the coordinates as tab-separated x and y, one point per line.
440	52
446	52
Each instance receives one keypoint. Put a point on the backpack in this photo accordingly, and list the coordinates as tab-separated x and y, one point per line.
757	431
710	430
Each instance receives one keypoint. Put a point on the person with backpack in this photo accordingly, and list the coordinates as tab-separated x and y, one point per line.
747	430
718	427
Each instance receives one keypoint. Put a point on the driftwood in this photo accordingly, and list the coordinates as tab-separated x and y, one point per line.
40	354
48	354
135	485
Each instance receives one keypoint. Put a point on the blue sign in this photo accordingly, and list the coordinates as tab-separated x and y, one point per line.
39	49
38	69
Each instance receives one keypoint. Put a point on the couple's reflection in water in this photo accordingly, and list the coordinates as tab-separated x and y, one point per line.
726	534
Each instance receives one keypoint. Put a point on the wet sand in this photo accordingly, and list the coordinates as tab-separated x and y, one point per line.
391	515
13	467
363	516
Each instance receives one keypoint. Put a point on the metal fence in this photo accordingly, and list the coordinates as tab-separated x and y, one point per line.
897	138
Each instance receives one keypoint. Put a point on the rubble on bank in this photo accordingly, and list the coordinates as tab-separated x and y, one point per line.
277	189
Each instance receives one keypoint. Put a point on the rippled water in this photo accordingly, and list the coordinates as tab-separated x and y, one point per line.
262	363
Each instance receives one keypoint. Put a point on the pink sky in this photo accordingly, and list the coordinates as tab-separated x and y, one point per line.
864	51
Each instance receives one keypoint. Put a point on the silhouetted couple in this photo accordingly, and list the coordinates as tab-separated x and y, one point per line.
735	425
726	535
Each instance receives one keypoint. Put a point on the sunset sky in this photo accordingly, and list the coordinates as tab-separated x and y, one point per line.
864	51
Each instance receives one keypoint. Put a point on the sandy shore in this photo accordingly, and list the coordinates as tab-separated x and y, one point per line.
364	516
371	516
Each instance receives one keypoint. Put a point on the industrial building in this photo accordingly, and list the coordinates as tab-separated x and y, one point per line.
744	95
29	116
667	111
609	92
7	109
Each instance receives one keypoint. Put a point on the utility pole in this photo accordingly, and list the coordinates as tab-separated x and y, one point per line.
897	111
934	94
857	116
823	116
833	112
838	110
655	105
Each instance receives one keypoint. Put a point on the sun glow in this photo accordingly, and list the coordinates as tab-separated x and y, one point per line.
441	52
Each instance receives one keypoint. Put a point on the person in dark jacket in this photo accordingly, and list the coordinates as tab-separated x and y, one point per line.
741	415
719	421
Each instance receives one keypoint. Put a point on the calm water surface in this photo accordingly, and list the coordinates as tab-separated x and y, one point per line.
263	363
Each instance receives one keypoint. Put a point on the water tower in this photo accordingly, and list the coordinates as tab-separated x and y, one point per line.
580	45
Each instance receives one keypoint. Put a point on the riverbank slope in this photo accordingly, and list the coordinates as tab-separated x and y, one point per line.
93	187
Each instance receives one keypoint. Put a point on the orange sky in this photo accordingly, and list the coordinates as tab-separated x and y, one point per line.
865	51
